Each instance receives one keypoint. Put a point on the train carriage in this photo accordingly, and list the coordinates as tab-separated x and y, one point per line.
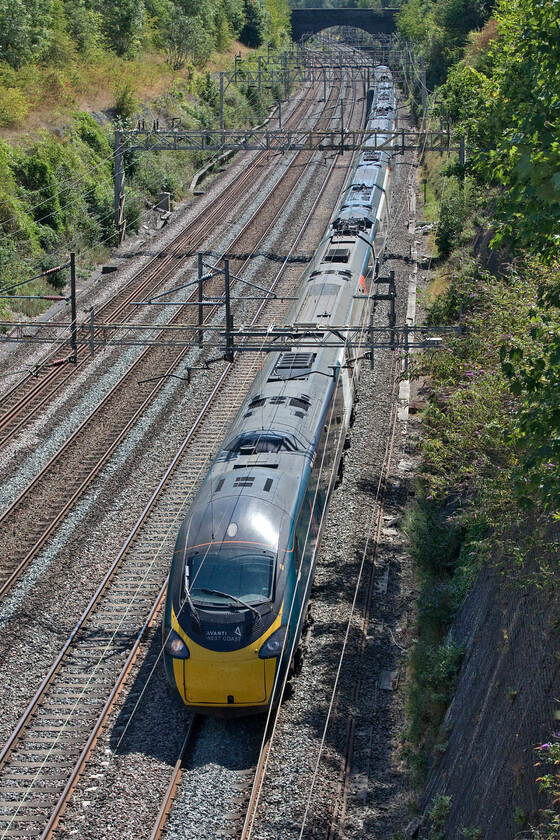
244	559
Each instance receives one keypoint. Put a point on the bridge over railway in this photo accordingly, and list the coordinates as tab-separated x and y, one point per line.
306	22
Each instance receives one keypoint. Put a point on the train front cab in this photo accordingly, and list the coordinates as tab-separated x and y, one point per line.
223	622
229	682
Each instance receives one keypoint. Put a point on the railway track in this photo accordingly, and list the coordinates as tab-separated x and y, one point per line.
337	817
342	782
60	729
240	819
43	758
47	751
249	742
69	473
34	391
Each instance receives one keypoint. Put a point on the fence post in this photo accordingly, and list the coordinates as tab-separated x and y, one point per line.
462	155
119	187
200	306
392	308
92	332
222	104
424	92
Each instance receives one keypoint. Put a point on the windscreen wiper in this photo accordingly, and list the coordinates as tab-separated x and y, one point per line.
193	608
227	595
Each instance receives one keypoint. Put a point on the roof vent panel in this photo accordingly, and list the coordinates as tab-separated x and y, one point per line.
337	255
244	481
294	365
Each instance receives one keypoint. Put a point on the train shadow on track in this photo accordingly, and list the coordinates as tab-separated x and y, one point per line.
151	721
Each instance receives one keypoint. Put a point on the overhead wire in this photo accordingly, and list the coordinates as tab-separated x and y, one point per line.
342	656
332	479
368	538
178	514
172	527
203	467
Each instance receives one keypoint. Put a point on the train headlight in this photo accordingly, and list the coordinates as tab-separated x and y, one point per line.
274	644
175	646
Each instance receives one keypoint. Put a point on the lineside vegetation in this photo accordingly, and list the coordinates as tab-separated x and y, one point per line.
490	484
70	72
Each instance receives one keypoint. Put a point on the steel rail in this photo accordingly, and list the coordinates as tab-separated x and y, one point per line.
154	273
346	761
115	440
337	818
42	692
260	774
24	721
163	812
150	277
107	709
263	757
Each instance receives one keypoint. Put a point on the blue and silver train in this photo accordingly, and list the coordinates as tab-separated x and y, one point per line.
244	559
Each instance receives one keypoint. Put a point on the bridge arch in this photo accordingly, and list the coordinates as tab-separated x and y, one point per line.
307	22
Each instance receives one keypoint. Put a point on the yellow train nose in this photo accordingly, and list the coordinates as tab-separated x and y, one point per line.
234	679
229	680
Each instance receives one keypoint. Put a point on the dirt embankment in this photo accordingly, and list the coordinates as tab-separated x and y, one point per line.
508	693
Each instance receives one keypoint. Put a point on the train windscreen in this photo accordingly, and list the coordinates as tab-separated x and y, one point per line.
237	570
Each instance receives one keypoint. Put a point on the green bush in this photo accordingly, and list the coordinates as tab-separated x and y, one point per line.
126	102
451	219
14	106
434	542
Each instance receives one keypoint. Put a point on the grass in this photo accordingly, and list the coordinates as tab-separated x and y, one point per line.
48	139
36	97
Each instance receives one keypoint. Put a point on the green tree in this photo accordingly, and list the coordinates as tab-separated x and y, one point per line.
25	27
254	31
279	19
526	160
84	25
533	368
203	10
122	24
233	10
224	32
439	30
186	37
510	113
176	33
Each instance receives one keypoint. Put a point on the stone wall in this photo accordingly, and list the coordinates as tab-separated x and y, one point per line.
507	694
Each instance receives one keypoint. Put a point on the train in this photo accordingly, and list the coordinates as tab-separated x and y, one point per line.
245	555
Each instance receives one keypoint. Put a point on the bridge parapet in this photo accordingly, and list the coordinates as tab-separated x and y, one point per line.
311	21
